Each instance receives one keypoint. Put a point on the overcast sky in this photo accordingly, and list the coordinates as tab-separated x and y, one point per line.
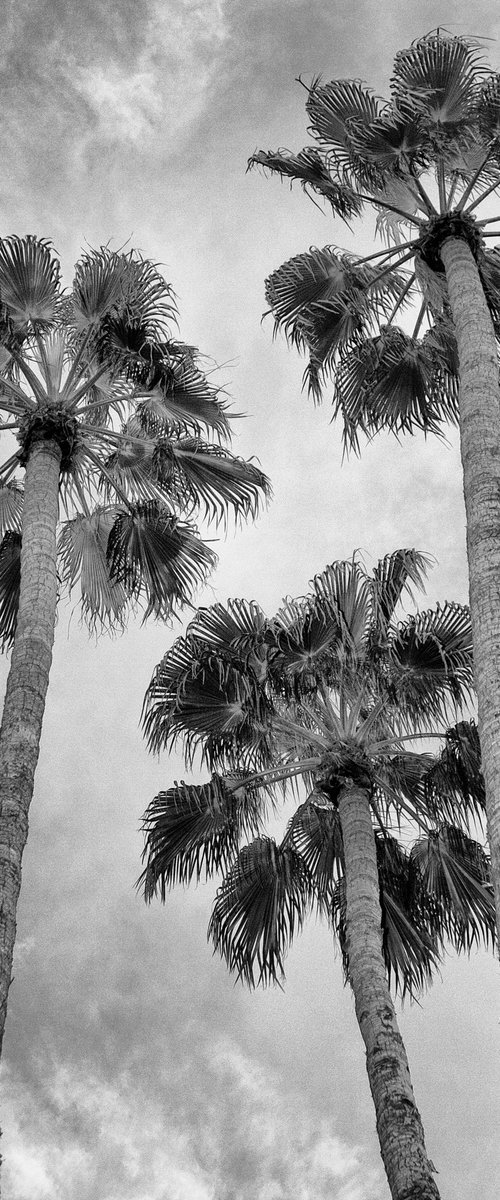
134	1068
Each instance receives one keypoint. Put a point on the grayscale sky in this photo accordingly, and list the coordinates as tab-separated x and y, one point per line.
134	1067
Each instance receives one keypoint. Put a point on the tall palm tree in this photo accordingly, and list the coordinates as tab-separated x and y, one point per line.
423	162
110	412
335	692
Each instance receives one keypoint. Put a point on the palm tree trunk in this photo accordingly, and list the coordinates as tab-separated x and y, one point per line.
26	687
480	448
399	1125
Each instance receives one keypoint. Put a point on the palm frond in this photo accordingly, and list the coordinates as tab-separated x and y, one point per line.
438	76
307	640
97	286
195	830
308	168
395	382
157	559
29	281
261	904
454	784
304	280
390	142
393	576
454	872
315	833
410	949
11	508
430	658
401	787
343	589
10	583
117	293
180	399
488	110
336	110
238	628
213	703
82	549
211	478
327	302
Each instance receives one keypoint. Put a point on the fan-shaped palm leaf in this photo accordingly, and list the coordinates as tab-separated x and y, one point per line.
438	75
156	558
343	589
390	141
400	780
488	111
335	109
238	628
214	704
454	873
82	548
182	400
210	475
431	661
411	951
395	382
29	280
97	286
306	639
454	784
260	905
392	577
11	508
308	167
314	832
195	830
10	582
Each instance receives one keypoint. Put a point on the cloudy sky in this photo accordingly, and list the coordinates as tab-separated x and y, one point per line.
134	1068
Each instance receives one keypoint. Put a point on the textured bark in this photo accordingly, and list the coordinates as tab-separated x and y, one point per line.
26	687
399	1125
480	449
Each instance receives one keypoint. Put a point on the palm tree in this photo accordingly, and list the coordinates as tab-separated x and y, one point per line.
109	410
424	161
332	692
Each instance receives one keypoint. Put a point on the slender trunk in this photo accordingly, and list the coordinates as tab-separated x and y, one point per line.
480	449
399	1126
26	687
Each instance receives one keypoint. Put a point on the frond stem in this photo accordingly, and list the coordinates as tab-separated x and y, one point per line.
401	299
386	253
472	182
388	270
441	185
418	322
34	383
17	391
413	220
275	774
305	735
9	466
112	482
480	198
86	387
75	364
428	205
386	743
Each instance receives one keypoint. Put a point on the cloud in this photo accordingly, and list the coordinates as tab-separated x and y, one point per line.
163	90
241	1138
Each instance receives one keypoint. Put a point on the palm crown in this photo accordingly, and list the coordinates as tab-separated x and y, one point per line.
423	162
334	688
141	431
